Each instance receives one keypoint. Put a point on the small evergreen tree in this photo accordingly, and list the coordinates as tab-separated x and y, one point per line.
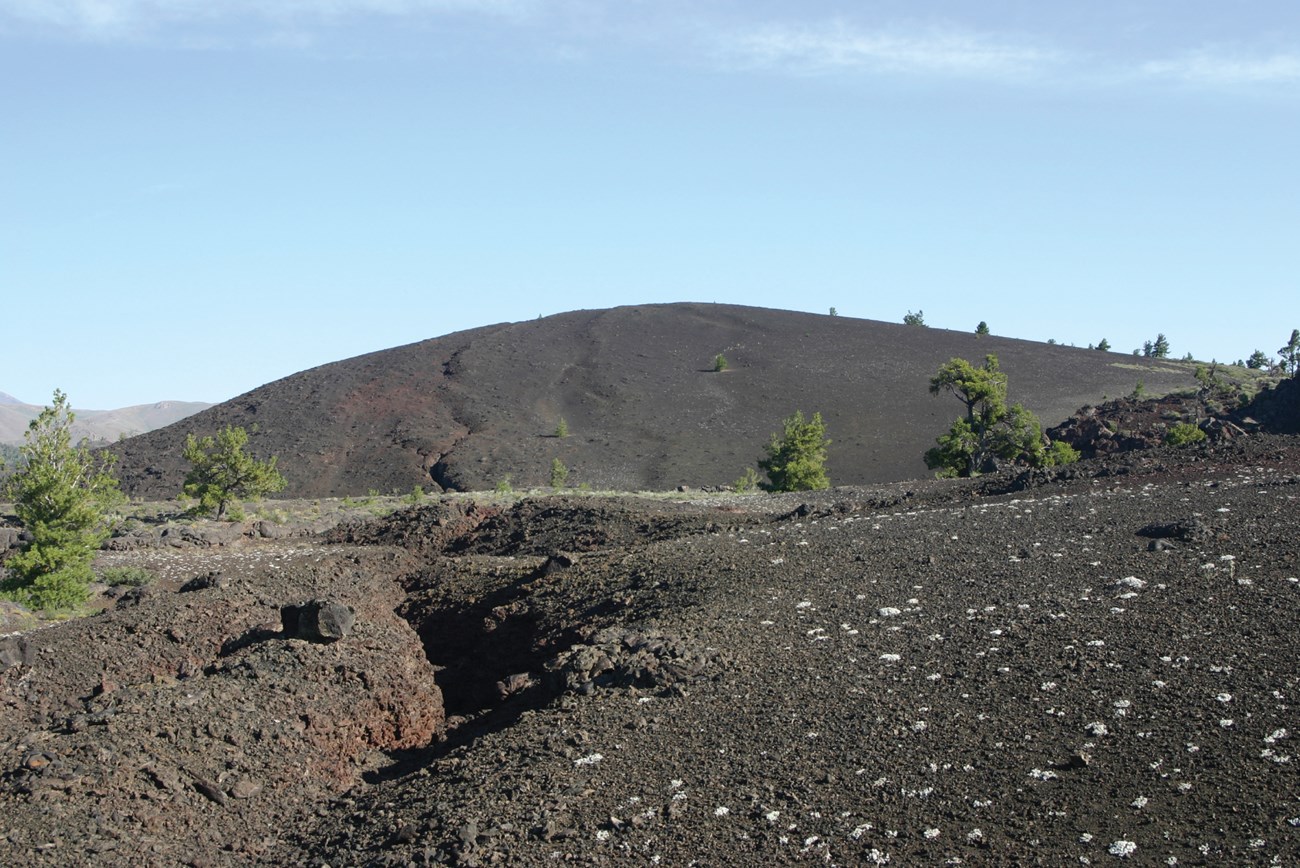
1104	346
796	458
1160	349
982	329
834	312
562	428
1257	361
914	319
559	473
221	474
63	495
1291	354
720	363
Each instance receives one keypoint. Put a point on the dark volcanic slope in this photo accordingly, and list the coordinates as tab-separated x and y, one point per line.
643	407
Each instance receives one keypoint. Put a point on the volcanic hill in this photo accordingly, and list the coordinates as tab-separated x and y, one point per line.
638	392
15	415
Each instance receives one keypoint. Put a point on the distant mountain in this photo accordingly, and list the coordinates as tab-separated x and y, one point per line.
637	390
97	424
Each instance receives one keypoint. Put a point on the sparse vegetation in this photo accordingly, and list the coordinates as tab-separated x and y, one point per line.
64	496
129	577
562	428
914	319
504	486
416	496
982	329
1183	434
720	363
1104	345
1139	391
221	474
796	458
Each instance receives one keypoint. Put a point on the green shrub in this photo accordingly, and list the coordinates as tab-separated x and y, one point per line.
562	428
504	486
1060	452
559	473
131	577
1184	434
747	482
796	458
720	363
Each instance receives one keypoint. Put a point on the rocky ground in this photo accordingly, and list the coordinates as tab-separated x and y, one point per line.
1080	666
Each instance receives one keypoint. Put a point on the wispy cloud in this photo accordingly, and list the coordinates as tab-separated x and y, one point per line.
1208	67
114	19
838	47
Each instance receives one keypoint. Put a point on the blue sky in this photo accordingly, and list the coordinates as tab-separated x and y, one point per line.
200	196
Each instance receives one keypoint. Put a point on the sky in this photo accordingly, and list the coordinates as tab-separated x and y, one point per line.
201	196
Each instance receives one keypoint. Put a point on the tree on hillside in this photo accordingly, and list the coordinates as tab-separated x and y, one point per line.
221	474
1257	361
63	495
1157	349
982	329
1291	354
796	458
991	429
914	319
1104	346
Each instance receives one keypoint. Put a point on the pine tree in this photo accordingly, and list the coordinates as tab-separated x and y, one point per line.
1291	354
991	429
796	458
63	495
221	474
